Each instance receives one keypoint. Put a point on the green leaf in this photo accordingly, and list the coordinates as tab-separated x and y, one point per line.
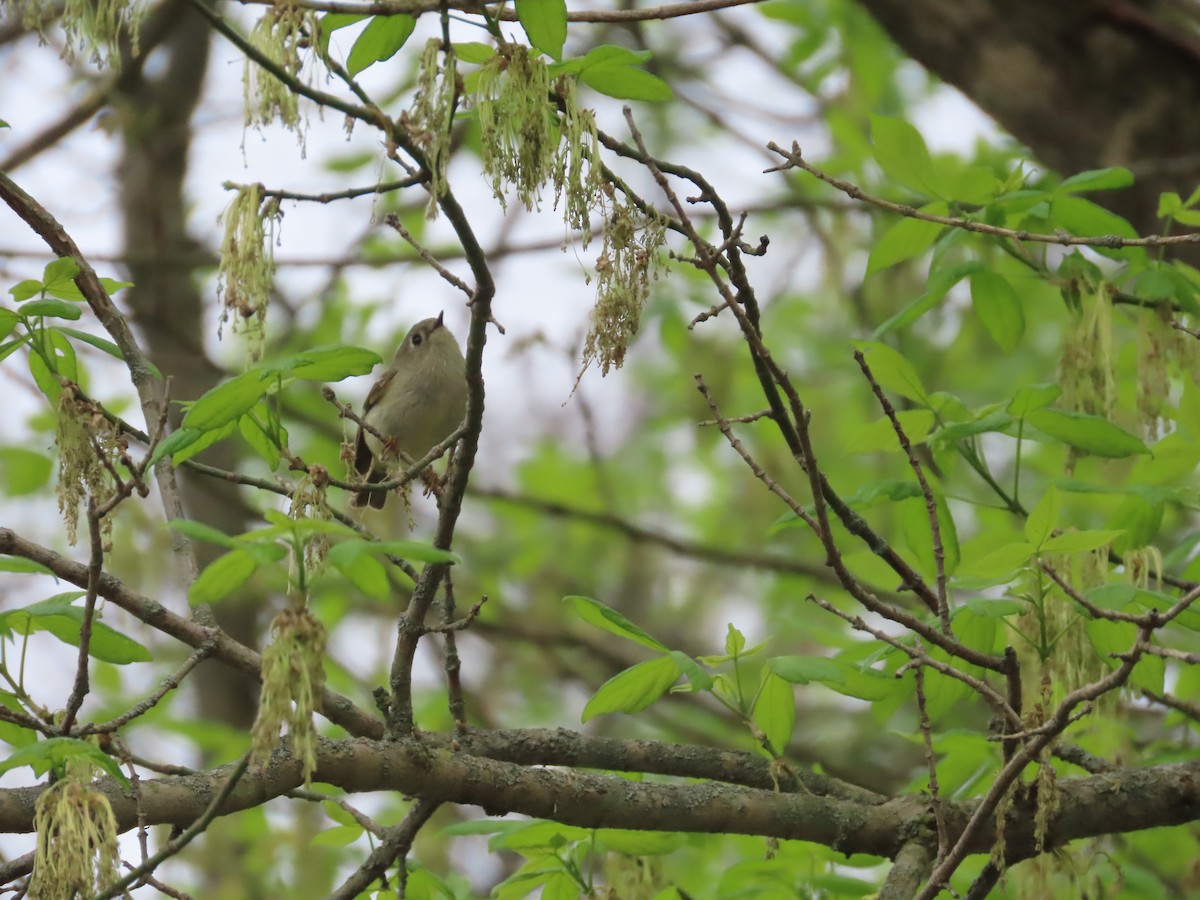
851	680
735	641
976	185
1117	597
62	357
331	22
8	321
888	490
940	280
174	442
1139	519
198	531
1108	638
698	678
1079	541
361	569
626	83
601	56
1098	180
901	153
224	403
998	308
893	372
596	613
337	836
474	52
634	689
919	535
1091	434
98	342
23	471
222	576
991	422
775	711
262	443
1044	518
203	441
17	564
545	24
112	286
1001	563
326	364
1087	219
15	735
879	436
58	616
8	349
58	278
23	290
53	754
994	608
57	309
1031	398
906	239
379	41
62	269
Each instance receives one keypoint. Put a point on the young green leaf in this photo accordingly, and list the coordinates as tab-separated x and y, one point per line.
222	576
1043	519
23	471
331	22
1091	434
634	689
596	613
53	754
906	239
775	711
893	372
379	41
228	400
545	24
626	83
52	308
998	308
901	153
1033	397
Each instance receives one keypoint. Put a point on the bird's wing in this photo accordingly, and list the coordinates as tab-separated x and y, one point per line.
362	451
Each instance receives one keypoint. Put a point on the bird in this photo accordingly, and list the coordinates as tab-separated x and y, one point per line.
418	402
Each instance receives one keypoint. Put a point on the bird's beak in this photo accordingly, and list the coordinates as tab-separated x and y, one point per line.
439	321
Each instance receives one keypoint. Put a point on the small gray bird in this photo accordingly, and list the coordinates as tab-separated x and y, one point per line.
417	402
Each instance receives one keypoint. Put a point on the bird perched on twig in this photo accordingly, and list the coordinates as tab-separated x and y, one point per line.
418	402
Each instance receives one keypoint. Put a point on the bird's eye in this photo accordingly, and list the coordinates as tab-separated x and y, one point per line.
416	341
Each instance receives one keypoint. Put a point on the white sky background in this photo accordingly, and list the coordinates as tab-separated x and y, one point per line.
538	293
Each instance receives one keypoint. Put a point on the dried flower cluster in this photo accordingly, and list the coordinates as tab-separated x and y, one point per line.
629	262
309	501
248	263
85	438
431	115
93	27
293	676
76	853
280	35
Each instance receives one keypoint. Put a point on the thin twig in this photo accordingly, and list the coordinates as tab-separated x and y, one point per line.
794	160
396	843
931	507
935	797
393	221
